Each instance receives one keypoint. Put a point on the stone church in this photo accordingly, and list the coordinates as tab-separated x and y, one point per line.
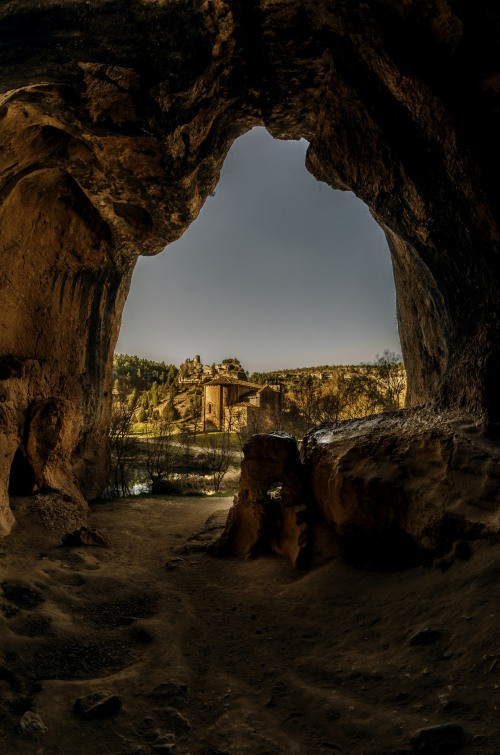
233	404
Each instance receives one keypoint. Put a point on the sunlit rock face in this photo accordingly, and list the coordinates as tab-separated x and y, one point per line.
270	512
115	118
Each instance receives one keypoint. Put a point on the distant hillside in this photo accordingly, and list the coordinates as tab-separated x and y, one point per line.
326	372
139	373
310	395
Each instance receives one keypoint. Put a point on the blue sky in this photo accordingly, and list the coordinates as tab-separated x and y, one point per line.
278	269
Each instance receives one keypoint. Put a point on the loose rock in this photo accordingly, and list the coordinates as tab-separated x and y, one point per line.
98	705
31	725
86	536
437	740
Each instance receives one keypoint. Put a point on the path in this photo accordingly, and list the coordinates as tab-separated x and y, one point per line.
224	656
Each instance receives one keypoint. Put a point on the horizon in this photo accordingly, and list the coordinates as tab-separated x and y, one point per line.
278	268
251	372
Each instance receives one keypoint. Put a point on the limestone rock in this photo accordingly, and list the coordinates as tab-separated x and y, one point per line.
387	490
260	521
392	485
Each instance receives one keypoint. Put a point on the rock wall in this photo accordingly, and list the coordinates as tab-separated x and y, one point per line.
115	118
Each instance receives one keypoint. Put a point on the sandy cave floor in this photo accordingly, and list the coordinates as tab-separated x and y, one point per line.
225	656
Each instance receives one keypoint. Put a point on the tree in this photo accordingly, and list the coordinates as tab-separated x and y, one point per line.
218	458
254	425
392	376
305	396
170	413
194	411
162	454
154	394
122	446
359	394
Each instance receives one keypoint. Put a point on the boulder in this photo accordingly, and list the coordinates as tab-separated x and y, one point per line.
261	521
394	487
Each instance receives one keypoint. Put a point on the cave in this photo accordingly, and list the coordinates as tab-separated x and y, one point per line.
22	477
115	119
110	146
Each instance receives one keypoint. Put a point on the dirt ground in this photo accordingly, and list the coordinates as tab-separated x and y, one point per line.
188	653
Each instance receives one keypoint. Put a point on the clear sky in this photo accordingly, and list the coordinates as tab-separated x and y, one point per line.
278	270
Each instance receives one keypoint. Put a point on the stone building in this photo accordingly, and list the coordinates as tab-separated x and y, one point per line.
230	403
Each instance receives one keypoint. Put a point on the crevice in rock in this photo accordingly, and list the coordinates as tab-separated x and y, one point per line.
22	475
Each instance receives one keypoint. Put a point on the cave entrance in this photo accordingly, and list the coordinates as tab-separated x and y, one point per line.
22	476
279	270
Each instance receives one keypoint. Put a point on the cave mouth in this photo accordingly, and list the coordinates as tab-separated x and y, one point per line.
22	476
278	269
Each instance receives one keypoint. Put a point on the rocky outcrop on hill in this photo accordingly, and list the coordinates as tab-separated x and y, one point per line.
115	118
387	490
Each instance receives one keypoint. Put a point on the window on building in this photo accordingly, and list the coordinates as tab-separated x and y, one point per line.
209	408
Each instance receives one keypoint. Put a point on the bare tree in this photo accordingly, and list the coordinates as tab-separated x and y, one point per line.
305	394
162	455
359	394
218	456
392	376
234	418
253	425
122	445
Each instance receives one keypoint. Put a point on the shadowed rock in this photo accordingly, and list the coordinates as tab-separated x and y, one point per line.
395	485
98	705
85	536
387	490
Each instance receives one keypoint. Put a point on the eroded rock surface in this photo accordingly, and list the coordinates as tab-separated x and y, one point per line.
409	481
265	521
115	118
386	490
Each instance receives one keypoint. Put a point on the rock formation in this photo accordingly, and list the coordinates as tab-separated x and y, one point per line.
262	521
115	118
388	490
